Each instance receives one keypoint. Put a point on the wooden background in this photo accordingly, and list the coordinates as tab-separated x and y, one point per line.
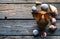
21	11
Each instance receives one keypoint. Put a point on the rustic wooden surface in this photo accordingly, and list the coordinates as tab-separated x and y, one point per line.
21	27
16	1
21	11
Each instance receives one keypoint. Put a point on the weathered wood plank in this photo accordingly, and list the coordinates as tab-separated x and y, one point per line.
16	10
16	27
32	3
16	1
25	33
49	0
28	37
20	27
19	10
16	37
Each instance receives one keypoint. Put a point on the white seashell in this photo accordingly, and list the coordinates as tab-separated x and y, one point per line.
44	6
33	8
52	26
35	32
54	9
53	20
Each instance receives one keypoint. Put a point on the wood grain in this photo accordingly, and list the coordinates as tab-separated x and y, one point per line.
16	10
20	27
28	37
19	10
17	1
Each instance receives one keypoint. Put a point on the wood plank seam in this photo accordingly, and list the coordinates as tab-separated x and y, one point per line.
23	19
27	35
